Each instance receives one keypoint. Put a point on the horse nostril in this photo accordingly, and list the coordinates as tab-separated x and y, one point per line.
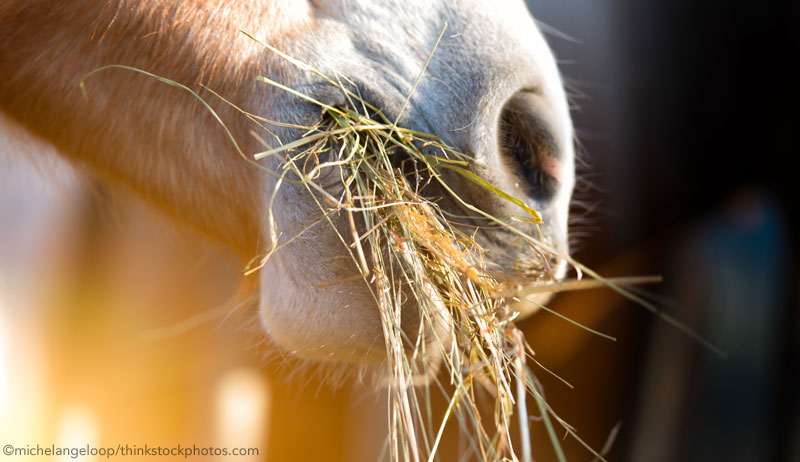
528	146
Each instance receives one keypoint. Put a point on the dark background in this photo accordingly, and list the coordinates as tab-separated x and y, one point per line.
686	114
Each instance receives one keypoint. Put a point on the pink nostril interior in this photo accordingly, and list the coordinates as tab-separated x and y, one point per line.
552	167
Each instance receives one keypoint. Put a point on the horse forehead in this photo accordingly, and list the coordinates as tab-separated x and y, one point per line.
405	22
388	41
381	47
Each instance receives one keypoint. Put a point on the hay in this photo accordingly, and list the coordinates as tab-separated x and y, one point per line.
405	245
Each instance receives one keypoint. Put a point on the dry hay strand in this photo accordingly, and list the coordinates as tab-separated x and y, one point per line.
405	246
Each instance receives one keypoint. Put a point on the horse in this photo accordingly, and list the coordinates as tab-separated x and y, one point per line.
491	90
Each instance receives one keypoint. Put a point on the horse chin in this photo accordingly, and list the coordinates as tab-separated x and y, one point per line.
319	320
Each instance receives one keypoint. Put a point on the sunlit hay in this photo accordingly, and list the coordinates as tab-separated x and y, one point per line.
405	246
405	241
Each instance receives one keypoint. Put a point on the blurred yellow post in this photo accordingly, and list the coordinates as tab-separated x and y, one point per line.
22	395
243	401
5	371
78	427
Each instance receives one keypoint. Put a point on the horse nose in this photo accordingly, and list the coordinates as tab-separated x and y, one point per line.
520	141
522	144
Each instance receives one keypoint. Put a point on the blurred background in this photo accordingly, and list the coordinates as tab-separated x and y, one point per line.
686	112
117	327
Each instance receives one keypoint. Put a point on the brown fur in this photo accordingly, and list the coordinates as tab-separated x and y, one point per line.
132	129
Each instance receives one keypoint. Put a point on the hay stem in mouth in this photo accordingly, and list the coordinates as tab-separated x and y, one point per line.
411	244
